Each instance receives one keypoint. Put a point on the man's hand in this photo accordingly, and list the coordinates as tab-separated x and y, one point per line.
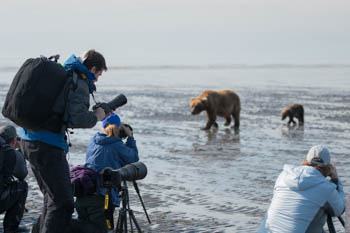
333	171
105	107
99	113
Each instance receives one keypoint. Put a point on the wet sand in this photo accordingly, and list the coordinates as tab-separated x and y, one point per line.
219	180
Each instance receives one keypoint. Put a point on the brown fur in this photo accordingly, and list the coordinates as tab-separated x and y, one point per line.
224	103
295	110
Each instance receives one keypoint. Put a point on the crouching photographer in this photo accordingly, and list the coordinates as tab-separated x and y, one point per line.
304	198
13	192
105	150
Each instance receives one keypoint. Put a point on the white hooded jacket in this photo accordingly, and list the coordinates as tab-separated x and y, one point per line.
301	197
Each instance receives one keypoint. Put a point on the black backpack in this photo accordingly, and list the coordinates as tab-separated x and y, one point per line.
33	93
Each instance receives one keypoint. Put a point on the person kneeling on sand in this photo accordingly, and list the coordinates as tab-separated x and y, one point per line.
104	150
303	196
13	193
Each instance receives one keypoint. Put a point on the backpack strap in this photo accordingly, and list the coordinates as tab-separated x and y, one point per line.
109	210
75	81
2	142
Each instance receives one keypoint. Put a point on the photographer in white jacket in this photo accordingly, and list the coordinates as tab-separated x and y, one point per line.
303	196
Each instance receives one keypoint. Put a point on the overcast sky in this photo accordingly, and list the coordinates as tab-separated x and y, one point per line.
179	31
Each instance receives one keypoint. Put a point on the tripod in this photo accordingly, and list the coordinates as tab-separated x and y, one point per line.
122	223
331	225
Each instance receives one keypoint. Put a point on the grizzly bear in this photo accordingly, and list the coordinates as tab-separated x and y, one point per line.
295	110
224	103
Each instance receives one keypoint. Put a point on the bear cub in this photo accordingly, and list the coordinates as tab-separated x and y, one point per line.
295	110
224	103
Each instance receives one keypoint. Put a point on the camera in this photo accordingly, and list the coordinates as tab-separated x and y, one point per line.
112	105
122	133
130	172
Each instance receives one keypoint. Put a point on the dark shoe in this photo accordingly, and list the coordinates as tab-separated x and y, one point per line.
18	230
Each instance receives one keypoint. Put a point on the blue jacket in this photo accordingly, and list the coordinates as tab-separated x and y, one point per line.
110	152
301	197
78	114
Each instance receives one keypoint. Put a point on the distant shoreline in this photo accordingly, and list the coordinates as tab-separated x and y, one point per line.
215	66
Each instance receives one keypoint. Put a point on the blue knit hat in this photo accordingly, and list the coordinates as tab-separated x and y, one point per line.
111	119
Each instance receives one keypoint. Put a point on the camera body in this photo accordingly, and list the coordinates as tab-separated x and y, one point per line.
122	133
112	105
130	172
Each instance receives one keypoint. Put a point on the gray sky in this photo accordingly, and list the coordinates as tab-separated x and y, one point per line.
179	31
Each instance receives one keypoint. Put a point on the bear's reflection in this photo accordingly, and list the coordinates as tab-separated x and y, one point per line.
223	136
295	132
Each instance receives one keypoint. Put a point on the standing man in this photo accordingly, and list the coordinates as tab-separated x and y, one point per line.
46	150
13	193
303	196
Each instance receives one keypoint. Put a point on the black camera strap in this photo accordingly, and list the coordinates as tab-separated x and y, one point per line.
93	97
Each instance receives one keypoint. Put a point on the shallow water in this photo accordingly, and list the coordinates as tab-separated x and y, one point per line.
219	180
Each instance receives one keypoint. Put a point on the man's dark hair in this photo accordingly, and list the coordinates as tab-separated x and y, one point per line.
93	58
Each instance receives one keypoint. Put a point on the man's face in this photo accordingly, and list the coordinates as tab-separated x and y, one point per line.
96	73
15	142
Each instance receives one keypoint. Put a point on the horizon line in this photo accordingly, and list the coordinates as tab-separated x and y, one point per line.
217	66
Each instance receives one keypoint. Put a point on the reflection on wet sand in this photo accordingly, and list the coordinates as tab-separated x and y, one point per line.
230	134
295	132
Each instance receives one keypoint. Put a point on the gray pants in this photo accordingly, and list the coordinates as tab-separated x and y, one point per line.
51	171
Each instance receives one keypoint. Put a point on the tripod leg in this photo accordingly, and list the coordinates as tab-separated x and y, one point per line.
120	222
125	222
130	220
132	216
143	205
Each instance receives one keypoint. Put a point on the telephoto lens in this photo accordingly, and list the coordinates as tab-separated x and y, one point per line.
133	171
112	105
118	101
130	172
